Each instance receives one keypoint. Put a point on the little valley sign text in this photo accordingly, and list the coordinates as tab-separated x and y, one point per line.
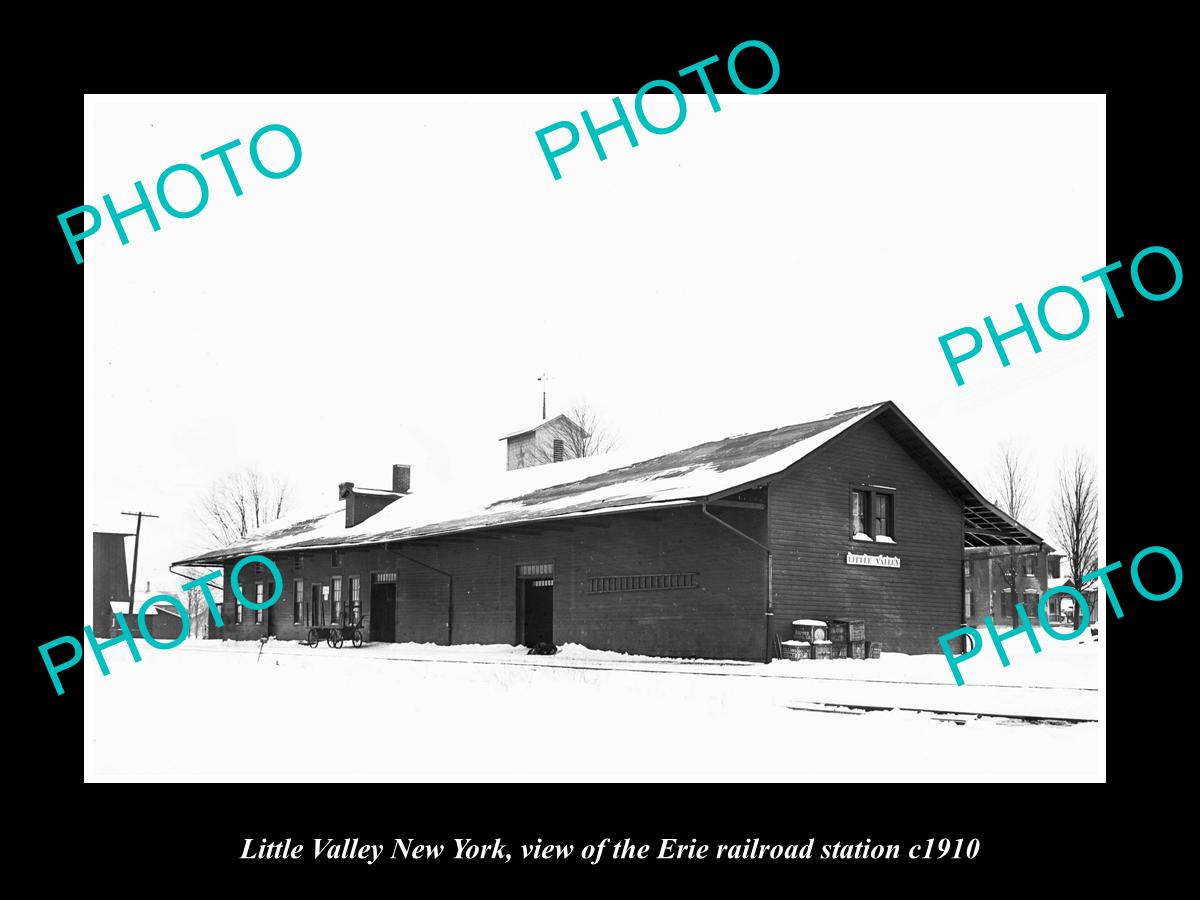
866	559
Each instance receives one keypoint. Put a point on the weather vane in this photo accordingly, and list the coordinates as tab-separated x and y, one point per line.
544	379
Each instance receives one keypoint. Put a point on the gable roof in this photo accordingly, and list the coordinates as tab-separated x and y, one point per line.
571	423
598	485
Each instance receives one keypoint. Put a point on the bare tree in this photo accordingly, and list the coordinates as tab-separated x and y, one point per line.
241	503
196	607
1076	517
593	437
587	435
1012	482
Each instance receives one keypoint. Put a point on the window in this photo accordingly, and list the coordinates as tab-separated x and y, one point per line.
337	599
558	450
967	567
1031	565
355	601
860	502
258	598
337	559
612	584
967	605
873	514
883	516
258	569
238	610
298	562
298	602
1008	604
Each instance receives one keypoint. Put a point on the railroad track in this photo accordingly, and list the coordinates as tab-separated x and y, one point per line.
941	715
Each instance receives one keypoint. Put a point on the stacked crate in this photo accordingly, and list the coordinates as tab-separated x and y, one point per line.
808	640
809	630
835	639
797	650
851	634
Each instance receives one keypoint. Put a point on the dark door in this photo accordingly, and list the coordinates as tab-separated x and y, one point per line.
539	612
316	612
383	612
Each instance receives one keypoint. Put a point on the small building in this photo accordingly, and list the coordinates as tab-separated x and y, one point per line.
555	440
162	619
110	580
1067	602
709	551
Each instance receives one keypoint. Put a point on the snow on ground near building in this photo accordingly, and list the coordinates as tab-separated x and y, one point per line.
284	711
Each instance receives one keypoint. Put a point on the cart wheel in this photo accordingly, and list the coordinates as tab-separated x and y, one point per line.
314	637
335	640
358	637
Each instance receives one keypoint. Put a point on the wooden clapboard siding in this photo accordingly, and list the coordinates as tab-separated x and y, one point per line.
809	509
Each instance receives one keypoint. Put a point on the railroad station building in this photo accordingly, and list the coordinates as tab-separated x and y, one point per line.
709	551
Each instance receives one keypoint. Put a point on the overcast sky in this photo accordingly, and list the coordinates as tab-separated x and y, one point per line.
396	298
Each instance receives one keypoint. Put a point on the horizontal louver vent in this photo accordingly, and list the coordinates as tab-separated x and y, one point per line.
611	584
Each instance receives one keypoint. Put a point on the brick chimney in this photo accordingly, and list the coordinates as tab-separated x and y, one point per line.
401	478
363	503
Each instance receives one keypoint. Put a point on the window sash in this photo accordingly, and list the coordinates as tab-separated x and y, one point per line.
258	598
860	502
883	515
298	603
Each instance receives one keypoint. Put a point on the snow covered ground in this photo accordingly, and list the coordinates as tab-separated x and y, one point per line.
244	712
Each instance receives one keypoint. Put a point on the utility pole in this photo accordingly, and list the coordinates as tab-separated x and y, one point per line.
137	539
545	379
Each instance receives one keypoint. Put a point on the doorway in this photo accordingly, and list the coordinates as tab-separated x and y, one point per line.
383	610
535	604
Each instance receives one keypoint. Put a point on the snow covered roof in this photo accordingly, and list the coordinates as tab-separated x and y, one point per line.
164	606
596	485
376	492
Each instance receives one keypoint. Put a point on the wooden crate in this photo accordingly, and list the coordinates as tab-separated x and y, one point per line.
822	650
874	648
809	630
839	649
797	650
856	629
856	650
837	632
